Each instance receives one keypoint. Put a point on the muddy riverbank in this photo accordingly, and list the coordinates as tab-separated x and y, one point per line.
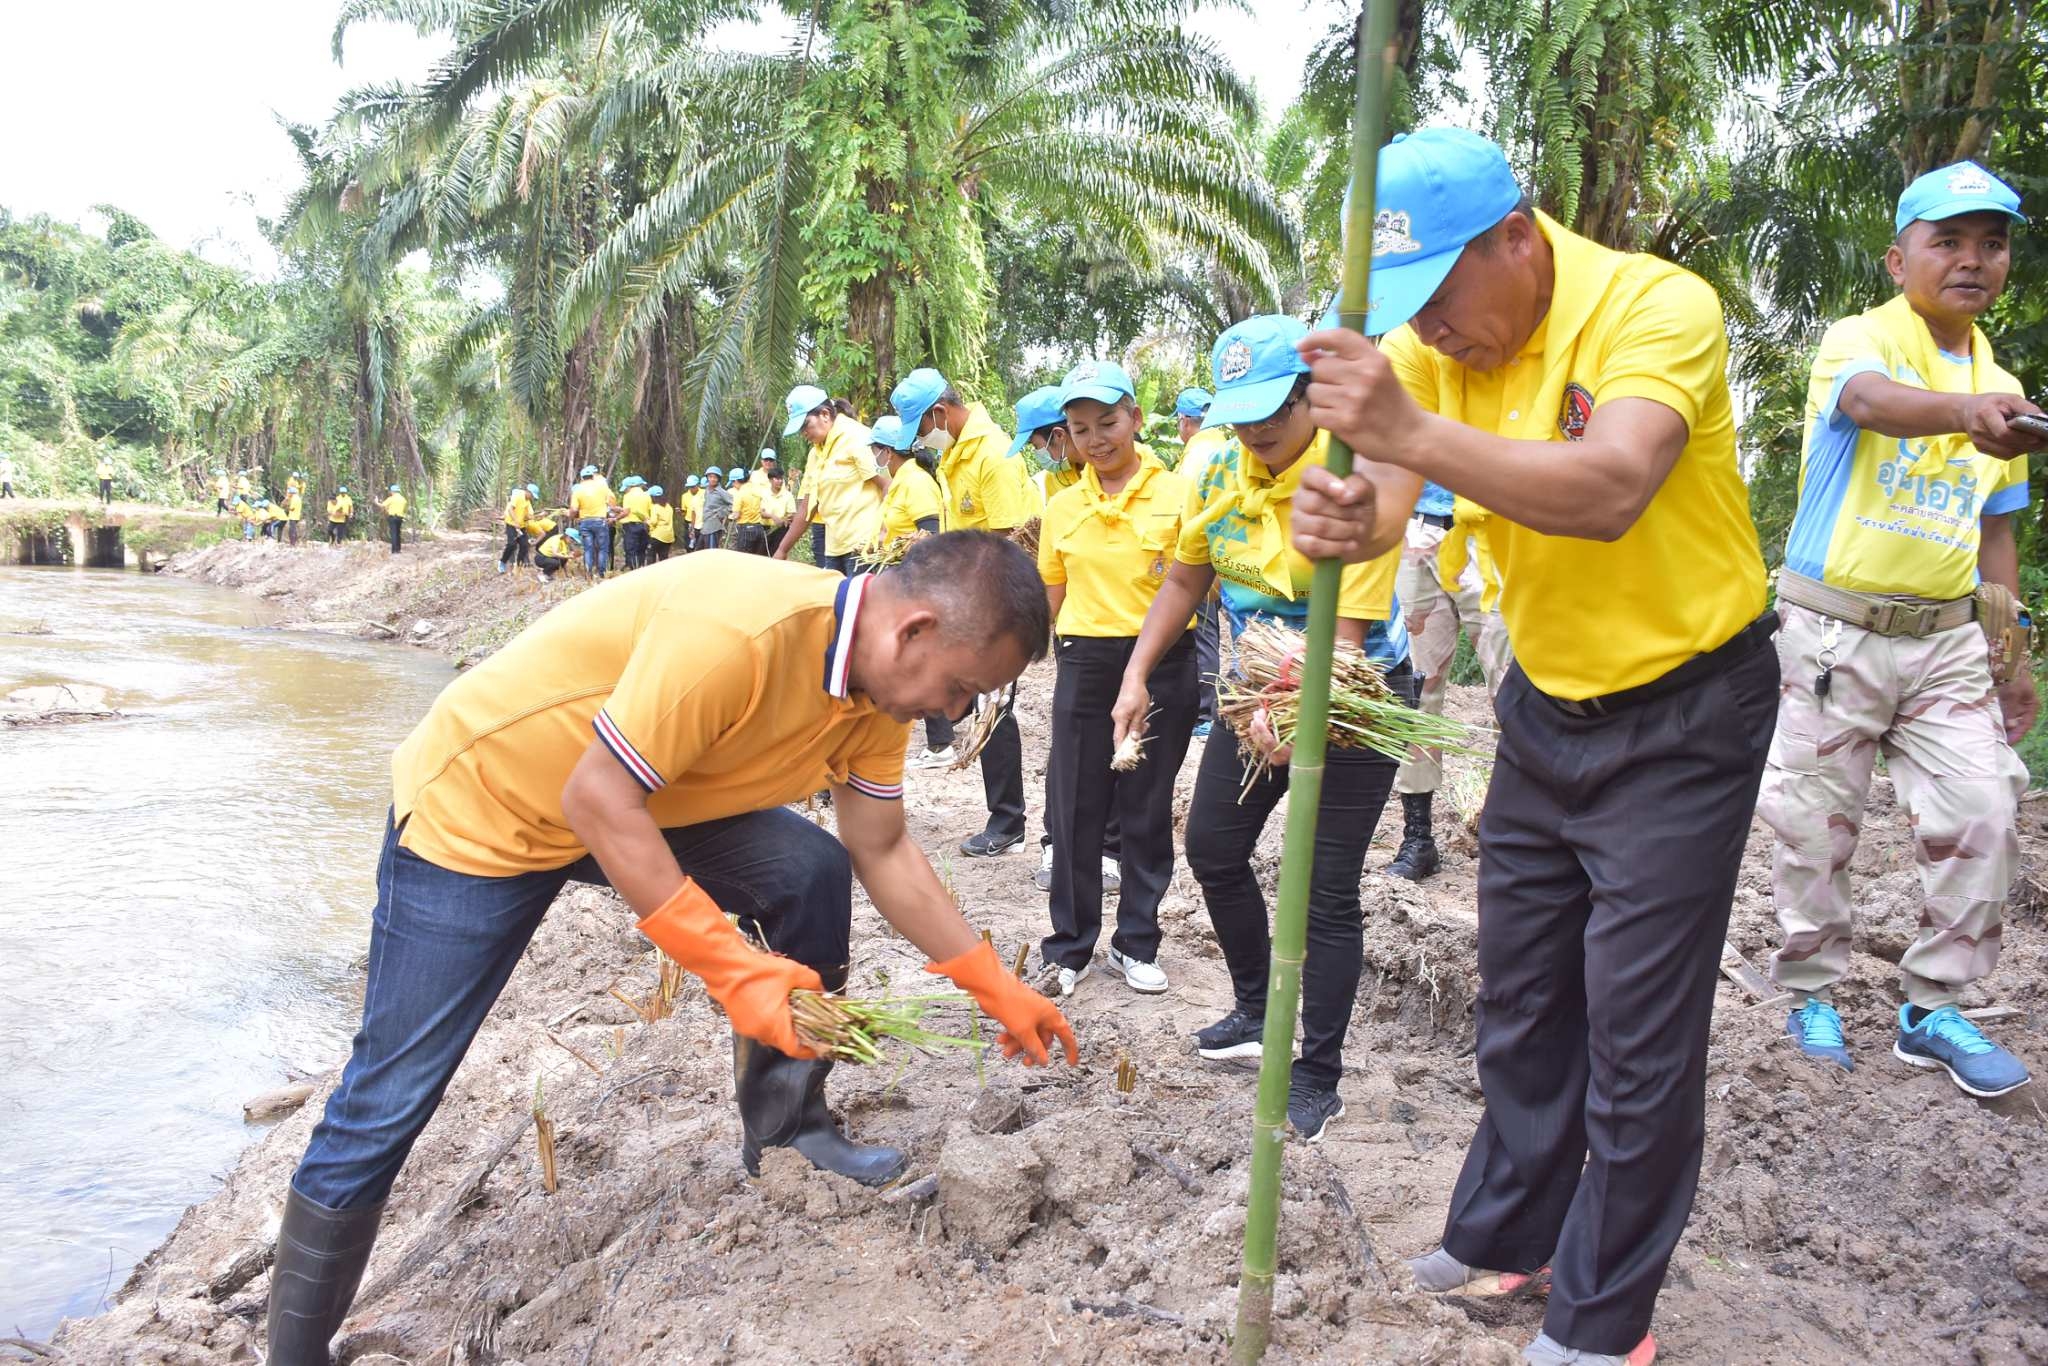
1873	1217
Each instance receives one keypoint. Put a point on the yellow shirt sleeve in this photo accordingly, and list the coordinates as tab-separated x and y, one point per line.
1414	365
1052	528
1671	348
685	684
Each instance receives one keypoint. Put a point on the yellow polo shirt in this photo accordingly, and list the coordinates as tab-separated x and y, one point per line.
661	523
691	506
591	498
1878	514
778	507
837	477
294	506
557	546
1587	617
394	506
538	526
712	717
913	495
985	489
1111	551
519	508
746	505
341	508
635	505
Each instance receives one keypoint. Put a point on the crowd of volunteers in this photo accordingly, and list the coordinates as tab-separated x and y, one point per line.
1546	448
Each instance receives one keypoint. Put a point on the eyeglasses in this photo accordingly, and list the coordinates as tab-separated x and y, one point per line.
1277	416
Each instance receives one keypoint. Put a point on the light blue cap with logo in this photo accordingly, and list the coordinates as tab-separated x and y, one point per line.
1102	380
1952	191
800	404
691	481
1036	411
914	396
1255	365
1438	189
889	431
1192	402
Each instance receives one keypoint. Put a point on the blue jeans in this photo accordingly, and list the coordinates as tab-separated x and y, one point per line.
597	544
443	945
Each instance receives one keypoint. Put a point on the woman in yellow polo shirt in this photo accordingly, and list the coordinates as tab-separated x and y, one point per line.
1103	550
912	509
842	486
1237	530
661	526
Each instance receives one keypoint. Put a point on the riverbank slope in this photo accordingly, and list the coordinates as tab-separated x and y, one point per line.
1872	1217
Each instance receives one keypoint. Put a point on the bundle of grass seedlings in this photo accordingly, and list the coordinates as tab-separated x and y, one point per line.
1364	712
888	554
846	1029
1027	536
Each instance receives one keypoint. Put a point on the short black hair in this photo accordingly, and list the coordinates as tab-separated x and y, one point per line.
951	395
983	585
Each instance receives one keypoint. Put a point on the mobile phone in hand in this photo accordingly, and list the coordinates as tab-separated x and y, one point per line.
2034	424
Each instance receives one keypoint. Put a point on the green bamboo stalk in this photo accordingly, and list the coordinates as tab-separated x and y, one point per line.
1305	769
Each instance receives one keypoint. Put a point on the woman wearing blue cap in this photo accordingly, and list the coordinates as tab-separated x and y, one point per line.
1104	548
591	501
1237	531
394	516
661	526
842	488
1043	427
518	512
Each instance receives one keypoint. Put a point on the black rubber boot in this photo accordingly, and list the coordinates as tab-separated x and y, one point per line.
321	1254
1417	858
782	1105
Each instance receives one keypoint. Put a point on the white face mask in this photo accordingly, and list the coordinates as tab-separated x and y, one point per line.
937	441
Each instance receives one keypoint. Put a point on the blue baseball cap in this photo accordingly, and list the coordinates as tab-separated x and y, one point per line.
655	492
1438	189
1255	366
1192	402
630	480
533	490
801	402
586	471
573	533
914	396
1952	191
1036	411
394	488
889	431
692	482
735	474
768	453
342	489
1102	380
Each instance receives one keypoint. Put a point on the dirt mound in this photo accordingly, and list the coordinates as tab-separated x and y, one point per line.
1872	1217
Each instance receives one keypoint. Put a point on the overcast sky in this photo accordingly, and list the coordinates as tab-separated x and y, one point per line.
170	108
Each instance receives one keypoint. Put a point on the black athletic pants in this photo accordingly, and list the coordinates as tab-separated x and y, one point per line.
1608	855
515	546
106	490
335	532
1082	790
220	505
1221	833
397	528
818	544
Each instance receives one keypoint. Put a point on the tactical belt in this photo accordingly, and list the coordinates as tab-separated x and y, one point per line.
1886	616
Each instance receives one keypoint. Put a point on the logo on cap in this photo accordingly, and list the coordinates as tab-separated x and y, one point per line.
1575	413
1969	180
1086	370
1390	235
1237	362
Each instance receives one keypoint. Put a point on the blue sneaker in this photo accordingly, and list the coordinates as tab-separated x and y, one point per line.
1818	1031
1202	729
1944	1039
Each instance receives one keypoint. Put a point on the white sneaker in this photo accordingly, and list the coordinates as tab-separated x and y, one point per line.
1071	978
1140	977
935	758
1112	876
1042	879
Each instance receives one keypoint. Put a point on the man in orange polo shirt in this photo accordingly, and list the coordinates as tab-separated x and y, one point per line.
639	736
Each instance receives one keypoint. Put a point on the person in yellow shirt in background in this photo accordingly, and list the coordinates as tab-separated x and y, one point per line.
842	486
555	550
778	504
393	508
1198	446
1043	427
637	736
1104	548
294	513
635	505
661	526
749	520
1234	533
245	510
104	469
1913	473
295	483
911	509
985	490
591	502
518	512
1581	396
221	490
692	511
242	488
340	509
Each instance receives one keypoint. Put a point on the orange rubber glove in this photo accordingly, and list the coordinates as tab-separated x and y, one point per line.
1030	1022
753	986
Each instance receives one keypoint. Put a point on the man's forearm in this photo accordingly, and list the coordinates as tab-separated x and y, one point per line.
634	855
1889	408
900	881
1998	553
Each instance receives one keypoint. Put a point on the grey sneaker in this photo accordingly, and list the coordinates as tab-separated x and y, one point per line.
1042	879
1548	1351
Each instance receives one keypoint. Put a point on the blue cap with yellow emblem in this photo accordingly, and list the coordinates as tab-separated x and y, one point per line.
914	396
1255	366
1952	191
1438	189
1102	380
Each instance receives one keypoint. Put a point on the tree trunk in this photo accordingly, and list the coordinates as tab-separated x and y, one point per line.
579	410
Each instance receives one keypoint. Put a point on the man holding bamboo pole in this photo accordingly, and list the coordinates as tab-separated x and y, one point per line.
637	736
1580	395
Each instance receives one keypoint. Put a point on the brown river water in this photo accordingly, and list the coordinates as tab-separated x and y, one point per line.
182	893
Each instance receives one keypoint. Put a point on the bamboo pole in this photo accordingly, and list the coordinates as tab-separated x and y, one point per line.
1305	770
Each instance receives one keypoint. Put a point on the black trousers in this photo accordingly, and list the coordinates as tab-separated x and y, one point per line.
1608	855
659	549
818	544
397	529
220	505
335	532
710	540
633	540
1208	653
1082	790
515	546
1221	834
849	565
1002	779
938	730
750	538
291	529
549	564
106	490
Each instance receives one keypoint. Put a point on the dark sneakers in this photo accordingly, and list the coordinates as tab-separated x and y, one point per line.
1236	1035
1311	1108
986	845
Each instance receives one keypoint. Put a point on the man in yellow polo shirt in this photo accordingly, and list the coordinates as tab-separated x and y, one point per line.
1581	396
986	489
591	502
1912	474
638	736
393	508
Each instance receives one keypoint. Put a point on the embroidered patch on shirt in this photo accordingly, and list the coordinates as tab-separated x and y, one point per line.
1575	412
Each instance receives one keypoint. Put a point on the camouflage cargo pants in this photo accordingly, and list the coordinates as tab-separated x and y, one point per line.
1929	707
1434	615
